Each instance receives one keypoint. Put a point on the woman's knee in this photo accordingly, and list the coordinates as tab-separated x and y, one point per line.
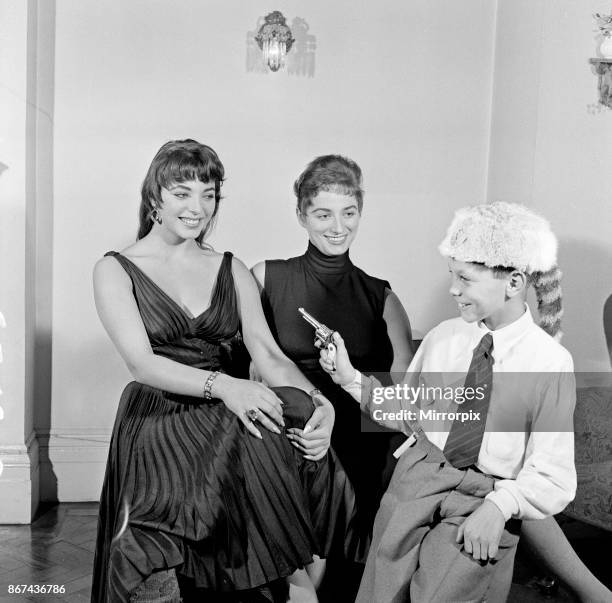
297	406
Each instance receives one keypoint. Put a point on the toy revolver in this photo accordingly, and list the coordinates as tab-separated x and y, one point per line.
324	336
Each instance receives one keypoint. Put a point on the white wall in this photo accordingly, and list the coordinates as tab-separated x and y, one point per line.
552	149
442	103
404	88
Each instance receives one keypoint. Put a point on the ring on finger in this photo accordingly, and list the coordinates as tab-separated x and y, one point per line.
252	414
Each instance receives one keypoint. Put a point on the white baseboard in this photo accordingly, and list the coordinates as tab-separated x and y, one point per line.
19	478
72	464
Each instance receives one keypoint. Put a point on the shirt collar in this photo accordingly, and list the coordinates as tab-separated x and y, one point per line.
505	338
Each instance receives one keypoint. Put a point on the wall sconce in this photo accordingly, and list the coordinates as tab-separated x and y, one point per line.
275	40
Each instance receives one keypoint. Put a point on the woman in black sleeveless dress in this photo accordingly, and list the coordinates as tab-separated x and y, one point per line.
336	292
202	482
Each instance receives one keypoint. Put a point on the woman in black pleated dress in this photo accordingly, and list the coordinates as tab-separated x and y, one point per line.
374	325
204	492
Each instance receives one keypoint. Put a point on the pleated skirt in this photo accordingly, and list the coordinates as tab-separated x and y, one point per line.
187	487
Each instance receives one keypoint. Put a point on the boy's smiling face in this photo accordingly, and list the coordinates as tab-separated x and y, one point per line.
482	296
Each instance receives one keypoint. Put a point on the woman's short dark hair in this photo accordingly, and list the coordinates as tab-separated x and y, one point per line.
179	161
332	173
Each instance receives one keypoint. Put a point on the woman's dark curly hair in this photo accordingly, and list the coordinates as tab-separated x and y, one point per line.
179	161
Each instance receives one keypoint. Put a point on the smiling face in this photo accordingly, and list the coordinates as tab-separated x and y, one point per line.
483	296
332	220
186	208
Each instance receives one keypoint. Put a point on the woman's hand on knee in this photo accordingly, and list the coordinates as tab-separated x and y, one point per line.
313	441
252	403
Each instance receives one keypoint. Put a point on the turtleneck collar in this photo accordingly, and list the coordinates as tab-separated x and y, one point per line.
327	264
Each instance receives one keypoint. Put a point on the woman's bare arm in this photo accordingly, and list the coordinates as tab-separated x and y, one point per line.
121	318
259	272
276	368
269	360
400	334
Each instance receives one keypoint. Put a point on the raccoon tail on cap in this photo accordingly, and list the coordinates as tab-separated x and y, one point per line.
547	286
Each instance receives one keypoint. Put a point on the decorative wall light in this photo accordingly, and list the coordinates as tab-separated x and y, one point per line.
603	64
603	68
275	40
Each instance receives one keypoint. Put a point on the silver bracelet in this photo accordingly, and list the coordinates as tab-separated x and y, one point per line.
208	385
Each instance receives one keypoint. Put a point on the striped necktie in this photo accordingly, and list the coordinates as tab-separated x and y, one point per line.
465	437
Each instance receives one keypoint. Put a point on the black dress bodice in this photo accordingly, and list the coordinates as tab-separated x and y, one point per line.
211	341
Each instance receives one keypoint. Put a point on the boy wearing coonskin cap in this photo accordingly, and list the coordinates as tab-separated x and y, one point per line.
448	526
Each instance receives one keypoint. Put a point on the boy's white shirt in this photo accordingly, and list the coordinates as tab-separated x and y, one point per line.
539	476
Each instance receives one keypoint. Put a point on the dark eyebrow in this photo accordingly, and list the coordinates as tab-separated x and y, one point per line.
188	188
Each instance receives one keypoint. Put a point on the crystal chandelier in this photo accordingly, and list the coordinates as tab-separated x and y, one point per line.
275	40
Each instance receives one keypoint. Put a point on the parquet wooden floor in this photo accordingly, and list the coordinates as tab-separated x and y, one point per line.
58	549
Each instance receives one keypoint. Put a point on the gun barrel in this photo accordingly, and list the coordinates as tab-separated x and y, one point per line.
322	332
313	321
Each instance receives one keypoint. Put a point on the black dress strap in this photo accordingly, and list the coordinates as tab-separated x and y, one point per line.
224	301
126	264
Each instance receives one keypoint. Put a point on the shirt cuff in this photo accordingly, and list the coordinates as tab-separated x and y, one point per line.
354	387
504	500
356	382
